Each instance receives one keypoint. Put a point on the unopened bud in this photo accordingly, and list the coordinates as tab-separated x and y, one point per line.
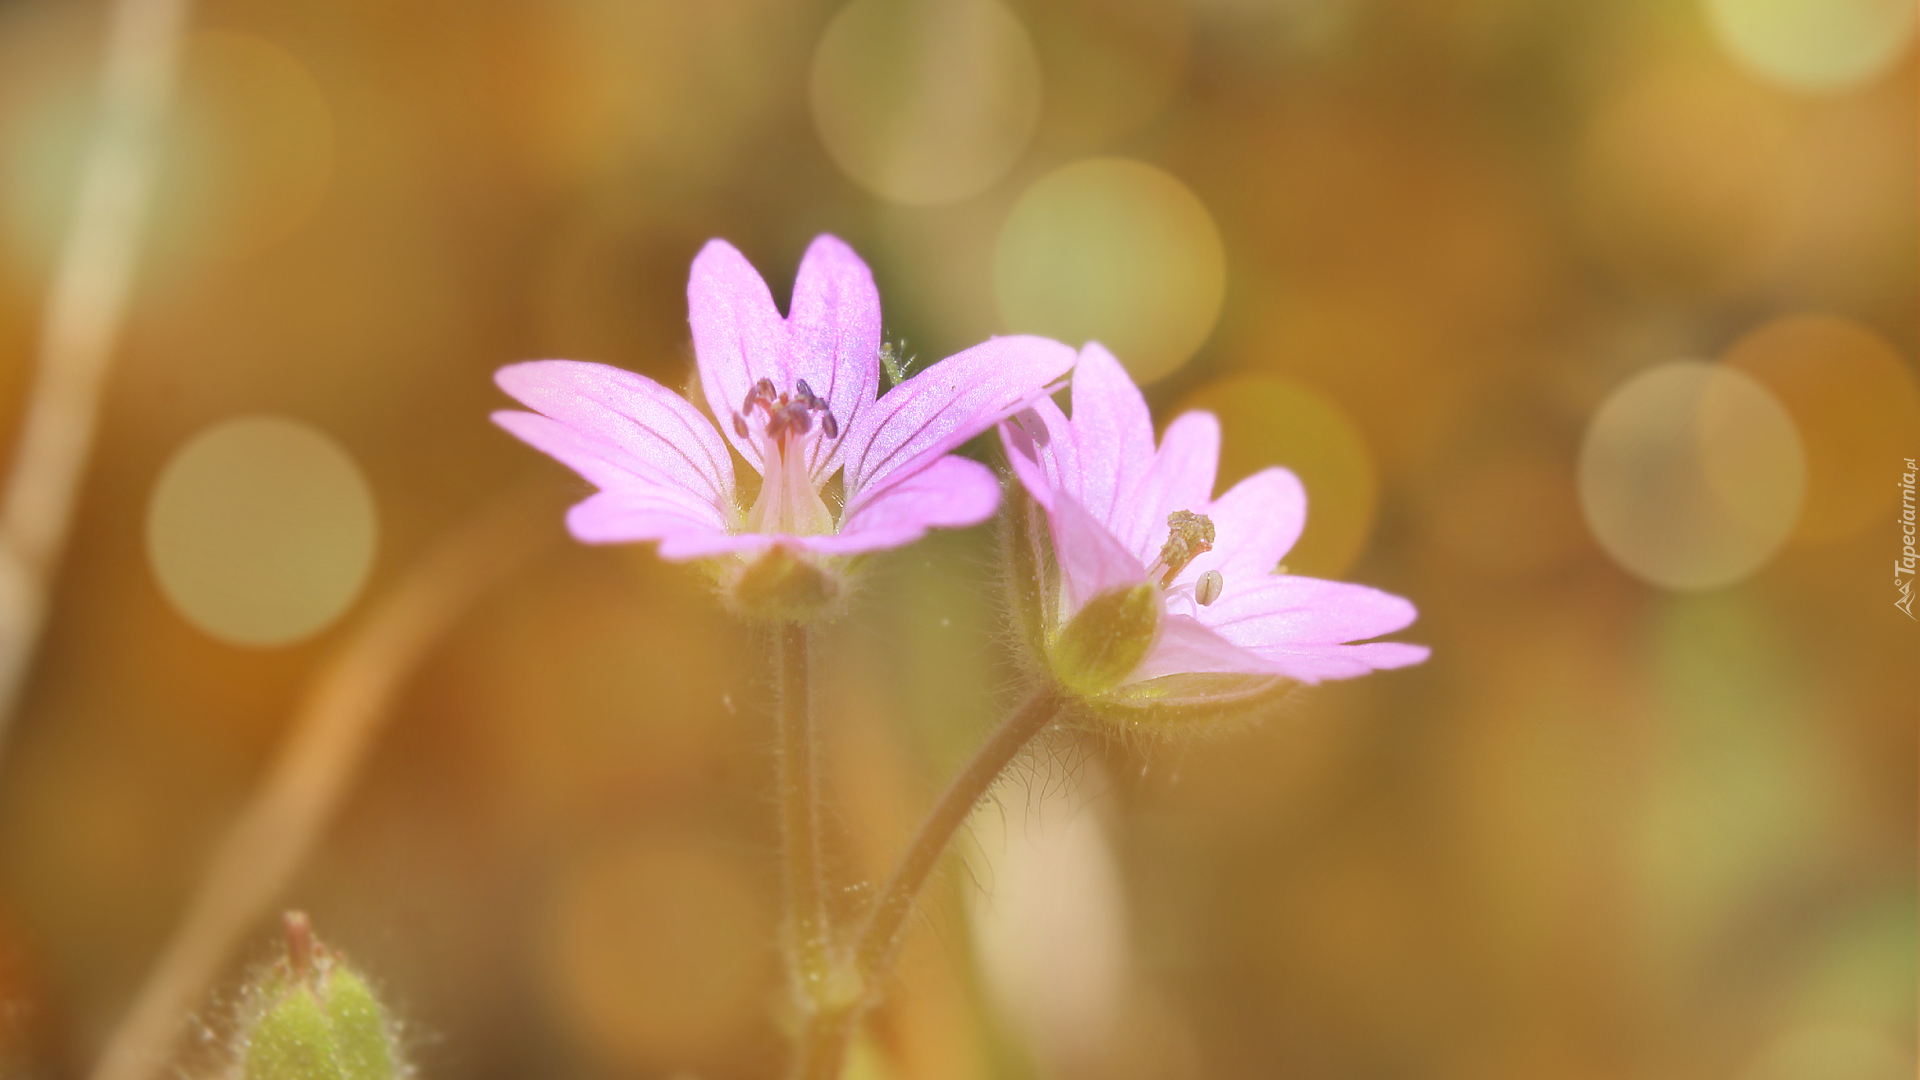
314	1018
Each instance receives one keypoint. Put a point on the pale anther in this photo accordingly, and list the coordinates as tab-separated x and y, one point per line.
1207	589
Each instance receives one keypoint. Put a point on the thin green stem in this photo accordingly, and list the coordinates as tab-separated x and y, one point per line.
823	1045
808	940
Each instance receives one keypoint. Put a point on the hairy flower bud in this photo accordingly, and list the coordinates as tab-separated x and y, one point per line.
311	1017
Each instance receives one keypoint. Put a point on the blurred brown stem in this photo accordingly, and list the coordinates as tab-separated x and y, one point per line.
328	738
823	1045
82	320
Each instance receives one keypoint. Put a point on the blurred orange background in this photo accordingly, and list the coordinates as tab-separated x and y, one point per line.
1590	327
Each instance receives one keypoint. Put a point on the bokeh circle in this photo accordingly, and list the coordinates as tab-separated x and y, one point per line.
261	530
1691	475
1853	400
925	103
1115	251
1816	45
1268	421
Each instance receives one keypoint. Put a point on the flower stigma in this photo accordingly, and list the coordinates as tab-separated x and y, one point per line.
1189	536
788	501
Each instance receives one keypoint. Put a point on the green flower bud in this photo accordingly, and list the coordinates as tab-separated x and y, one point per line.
1106	641
782	586
314	1018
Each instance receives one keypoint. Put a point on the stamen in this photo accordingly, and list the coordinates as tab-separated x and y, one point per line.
740	425
829	426
765	388
805	393
1208	588
798	418
1189	535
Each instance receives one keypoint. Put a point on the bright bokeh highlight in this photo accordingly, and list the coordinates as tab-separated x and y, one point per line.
1691	475
1853	402
1814	45
1114	251
1271	421
925	103
261	530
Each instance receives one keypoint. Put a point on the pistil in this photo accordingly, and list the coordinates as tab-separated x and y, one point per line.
1189	536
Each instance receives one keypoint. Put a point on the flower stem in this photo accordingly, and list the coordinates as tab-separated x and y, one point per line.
823	1045
808	943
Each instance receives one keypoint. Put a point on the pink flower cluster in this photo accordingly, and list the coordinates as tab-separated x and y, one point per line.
844	469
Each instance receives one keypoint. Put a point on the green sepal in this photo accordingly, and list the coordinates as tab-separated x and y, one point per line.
293	1041
1031	578
1173	702
782	586
364	1046
311	1017
1106	641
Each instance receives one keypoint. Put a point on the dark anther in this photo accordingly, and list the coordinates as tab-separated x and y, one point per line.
799	418
830	426
740	425
765	389
804	392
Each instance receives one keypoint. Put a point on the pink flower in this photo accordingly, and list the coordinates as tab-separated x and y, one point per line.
796	397
1181	584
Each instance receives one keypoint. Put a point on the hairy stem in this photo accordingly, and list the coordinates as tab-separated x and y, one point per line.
808	943
823	1045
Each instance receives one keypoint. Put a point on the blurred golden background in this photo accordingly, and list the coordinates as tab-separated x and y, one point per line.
1589	326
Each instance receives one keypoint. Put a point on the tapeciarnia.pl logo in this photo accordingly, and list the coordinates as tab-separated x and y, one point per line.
1904	565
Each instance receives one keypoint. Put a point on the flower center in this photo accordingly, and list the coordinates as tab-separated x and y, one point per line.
782	423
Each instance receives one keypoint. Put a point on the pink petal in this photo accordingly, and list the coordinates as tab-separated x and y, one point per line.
1091	561
618	517
1185	646
834	328
951	493
617	419
920	420
738	335
1255	524
1289	612
1180	478
1040	446
1315	663
1111	427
